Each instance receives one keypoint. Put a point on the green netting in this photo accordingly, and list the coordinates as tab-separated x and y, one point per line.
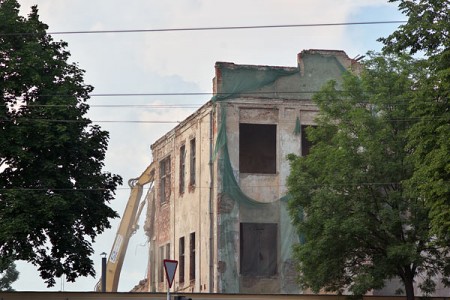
298	126
229	222
248	79
230	186
233	83
238	81
228	237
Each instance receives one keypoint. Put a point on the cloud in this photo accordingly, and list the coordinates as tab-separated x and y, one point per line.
193	54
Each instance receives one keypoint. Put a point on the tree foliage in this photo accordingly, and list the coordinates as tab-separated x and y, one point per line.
53	192
8	277
428	31
427	28
361	225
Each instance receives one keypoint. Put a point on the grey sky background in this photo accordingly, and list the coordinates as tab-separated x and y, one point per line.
180	62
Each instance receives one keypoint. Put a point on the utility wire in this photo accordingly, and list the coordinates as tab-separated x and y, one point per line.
188	94
91	121
95	95
408	119
399	102
122	105
211	28
203	187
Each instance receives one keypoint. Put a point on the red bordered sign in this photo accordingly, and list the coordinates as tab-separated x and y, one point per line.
170	266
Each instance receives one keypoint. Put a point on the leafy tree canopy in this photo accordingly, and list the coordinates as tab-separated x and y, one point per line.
428	31
361	227
53	192
427	28
8	277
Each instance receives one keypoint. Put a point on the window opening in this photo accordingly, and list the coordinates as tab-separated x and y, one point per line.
258	148
181	260
192	163
164	253
165	179
192	256
182	167
306	143
161	264
258	249
167	251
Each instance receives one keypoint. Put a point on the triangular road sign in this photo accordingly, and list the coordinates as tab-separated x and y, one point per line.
170	266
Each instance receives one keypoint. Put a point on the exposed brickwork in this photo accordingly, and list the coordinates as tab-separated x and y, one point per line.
163	225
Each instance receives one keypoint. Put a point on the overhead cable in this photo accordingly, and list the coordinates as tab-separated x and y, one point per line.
94	95
87	121
74	189
210	28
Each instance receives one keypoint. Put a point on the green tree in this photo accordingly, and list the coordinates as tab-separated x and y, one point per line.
360	226
427	28
428	31
8	277
53	191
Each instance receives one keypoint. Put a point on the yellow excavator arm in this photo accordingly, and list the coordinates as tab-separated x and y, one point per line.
127	227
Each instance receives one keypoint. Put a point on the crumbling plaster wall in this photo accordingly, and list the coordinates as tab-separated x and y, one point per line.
186	212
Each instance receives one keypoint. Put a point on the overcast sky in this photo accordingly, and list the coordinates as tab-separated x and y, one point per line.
180	62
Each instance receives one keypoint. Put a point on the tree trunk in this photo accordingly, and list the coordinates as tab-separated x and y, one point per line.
409	287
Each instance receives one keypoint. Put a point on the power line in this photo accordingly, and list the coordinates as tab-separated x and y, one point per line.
94	95
123	105
211	28
93	121
204	93
406	119
150	94
202	187
227	27
399	102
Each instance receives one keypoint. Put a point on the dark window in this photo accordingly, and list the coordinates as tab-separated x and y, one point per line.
182	167
192	256
192	163
161	264
306	143
258	249
167	251
181	260
164	253
164	168
257	148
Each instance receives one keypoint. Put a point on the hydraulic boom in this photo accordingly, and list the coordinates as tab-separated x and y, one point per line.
128	226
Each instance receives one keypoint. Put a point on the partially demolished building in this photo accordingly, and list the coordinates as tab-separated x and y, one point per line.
218	205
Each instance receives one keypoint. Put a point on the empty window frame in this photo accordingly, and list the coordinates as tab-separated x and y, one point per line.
164	253
258	148
306	143
258	249
192	256
167	256
161	264
164	168
181	261
182	168
192	163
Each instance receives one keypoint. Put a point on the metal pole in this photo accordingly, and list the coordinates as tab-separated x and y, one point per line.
103	272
